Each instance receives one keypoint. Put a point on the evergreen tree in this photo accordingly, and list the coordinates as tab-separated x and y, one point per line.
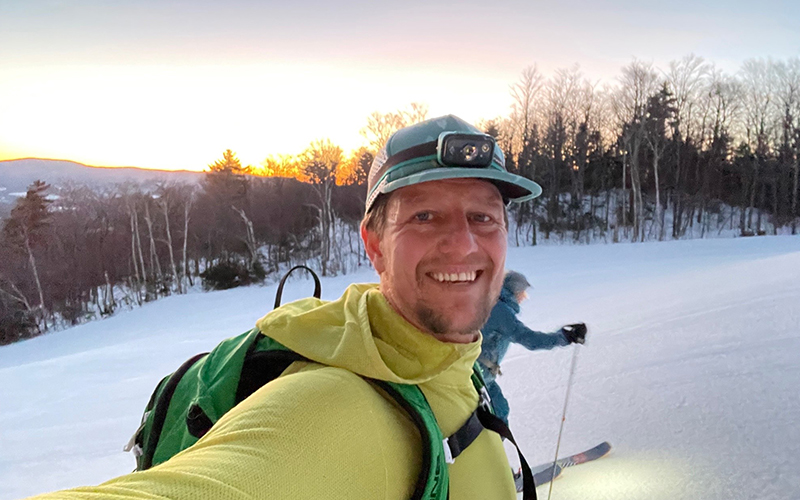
229	164
659	119
227	181
225	190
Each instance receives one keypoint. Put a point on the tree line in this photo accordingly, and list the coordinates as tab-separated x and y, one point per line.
656	155
76	253
658	152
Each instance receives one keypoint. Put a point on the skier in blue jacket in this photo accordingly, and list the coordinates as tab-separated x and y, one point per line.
503	327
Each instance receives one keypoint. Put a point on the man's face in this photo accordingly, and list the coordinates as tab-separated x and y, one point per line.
441	256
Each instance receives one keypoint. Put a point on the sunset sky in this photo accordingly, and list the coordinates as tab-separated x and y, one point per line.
172	84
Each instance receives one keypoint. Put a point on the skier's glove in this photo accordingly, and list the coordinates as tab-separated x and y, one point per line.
576	333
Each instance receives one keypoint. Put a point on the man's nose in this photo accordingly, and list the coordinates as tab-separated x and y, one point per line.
457	237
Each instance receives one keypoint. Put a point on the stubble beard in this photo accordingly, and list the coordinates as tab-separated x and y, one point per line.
439	324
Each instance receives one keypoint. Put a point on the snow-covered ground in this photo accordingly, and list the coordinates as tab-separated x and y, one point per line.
691	371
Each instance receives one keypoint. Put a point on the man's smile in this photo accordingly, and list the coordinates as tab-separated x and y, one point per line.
455	277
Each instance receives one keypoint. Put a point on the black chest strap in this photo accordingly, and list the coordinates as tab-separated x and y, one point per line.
481	419
462	438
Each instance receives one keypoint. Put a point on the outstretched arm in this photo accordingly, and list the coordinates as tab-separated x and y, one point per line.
531	339
324	433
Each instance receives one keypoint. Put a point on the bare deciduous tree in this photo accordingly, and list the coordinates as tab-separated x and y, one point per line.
319	164
757	77
381	125
788	102
638	82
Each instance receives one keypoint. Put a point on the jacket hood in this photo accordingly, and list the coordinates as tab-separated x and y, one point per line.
362	333
507	296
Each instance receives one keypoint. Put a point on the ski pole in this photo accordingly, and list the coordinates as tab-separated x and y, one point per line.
563	417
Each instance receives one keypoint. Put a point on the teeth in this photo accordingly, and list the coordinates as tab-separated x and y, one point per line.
455	277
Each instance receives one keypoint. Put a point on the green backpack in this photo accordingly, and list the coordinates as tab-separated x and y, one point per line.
187	403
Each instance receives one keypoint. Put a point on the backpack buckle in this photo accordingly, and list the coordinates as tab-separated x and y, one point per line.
134	446
485	399
448	453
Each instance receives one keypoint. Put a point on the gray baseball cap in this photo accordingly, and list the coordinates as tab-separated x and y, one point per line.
515	282
417	154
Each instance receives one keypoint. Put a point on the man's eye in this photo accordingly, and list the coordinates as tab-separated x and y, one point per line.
423	216
482	218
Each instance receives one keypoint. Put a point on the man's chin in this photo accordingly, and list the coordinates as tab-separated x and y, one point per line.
465	325
458	338
456	321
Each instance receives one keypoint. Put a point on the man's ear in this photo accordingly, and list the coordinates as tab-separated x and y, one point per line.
372	244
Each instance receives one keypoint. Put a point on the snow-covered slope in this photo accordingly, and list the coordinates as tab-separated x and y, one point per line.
691	371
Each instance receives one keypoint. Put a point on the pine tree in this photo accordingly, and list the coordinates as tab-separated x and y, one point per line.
229	164
659	119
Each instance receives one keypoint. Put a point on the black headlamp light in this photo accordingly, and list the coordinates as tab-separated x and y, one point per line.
456	149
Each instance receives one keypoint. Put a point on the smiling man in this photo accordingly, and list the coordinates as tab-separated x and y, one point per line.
436	225
440	256
328	427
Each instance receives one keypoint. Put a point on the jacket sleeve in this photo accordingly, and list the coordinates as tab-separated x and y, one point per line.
324	433
531	339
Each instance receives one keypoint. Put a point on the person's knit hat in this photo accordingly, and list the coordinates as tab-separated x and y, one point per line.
414	154
515	282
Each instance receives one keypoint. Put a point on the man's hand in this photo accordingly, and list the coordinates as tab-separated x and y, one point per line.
575	333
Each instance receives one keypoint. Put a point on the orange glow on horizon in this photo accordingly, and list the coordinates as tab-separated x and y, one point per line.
168	118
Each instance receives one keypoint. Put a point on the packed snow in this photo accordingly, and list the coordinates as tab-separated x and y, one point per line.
690	370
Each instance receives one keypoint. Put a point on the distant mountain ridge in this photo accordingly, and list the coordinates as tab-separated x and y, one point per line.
17	175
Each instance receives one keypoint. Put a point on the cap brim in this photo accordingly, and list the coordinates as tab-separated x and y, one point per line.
512	187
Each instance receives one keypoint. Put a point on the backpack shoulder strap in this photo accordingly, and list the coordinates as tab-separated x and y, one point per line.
496	424
253	360
433	482
484	418
266	360
463	437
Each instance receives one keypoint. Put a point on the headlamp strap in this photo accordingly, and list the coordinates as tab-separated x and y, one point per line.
424	149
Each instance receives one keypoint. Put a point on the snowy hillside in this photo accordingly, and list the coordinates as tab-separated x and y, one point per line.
16	175
691	371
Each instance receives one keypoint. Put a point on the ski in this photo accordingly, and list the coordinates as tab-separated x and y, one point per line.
541	474
544	473
598	451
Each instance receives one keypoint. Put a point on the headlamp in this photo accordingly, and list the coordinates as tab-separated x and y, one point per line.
443	148
456	149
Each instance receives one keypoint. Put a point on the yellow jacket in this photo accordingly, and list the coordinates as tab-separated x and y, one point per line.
320	430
